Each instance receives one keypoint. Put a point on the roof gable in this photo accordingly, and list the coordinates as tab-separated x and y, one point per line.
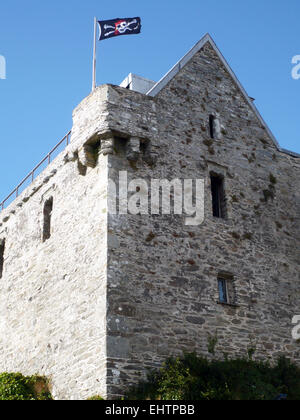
188	57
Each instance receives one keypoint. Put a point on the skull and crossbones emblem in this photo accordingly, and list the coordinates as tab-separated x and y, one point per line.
121	27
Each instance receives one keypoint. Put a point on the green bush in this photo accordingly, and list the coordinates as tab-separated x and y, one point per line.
15	386
196	378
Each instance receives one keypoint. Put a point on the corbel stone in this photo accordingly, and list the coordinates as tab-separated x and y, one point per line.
133	149
86	156
107	146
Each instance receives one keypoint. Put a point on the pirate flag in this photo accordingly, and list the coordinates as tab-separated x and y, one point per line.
116	27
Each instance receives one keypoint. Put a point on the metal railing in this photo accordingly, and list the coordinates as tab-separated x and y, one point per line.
32	174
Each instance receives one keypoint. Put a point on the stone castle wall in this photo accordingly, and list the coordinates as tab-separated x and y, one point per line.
108	296
53	293
162	275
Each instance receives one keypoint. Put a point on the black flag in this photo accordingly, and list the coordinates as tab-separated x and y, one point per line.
116	27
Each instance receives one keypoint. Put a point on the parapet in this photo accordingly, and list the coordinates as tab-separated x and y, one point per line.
108	112
114	110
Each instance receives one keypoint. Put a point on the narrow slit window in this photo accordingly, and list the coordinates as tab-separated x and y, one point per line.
212	126
48	207
218	196
223	296
226	288
2	248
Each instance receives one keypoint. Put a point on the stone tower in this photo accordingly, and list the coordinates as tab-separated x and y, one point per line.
92	299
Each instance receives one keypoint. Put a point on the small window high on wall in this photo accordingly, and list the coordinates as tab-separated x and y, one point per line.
218	196
48	207
226	288
223	295
2	248
212	127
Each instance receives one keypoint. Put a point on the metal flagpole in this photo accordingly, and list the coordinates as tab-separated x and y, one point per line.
94	54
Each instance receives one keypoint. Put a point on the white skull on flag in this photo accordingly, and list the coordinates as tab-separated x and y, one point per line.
122	26
119	26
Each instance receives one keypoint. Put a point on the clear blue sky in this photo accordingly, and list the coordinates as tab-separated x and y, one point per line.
48	49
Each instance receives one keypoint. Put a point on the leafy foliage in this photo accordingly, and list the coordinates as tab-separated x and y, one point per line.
196	378
16	387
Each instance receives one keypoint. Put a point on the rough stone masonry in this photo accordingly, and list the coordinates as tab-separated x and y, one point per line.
108	296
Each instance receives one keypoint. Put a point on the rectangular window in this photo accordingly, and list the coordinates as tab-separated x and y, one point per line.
212	126
226	289
218	196
2	248
222	291
48	207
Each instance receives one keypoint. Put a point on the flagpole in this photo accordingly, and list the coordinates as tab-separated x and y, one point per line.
94	54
